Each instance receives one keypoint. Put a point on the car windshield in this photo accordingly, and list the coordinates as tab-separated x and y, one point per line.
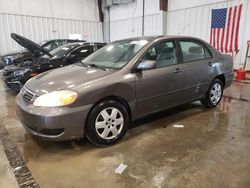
116	54
61	51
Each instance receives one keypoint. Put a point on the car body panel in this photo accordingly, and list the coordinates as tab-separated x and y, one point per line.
165	89
144	92
195	86
33	120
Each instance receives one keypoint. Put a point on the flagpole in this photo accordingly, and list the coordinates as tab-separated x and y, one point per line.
244	31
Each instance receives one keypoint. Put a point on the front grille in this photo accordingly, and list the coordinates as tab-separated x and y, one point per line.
52	132
32	127
48	132
27	95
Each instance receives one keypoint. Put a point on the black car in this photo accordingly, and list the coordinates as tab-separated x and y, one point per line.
23	55
15	76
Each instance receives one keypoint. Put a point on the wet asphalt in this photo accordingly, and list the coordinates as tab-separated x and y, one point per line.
211	150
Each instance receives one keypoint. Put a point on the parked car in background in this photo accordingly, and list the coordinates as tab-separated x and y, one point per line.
119	83
15	76
24	55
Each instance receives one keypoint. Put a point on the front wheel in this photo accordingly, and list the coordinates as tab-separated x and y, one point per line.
107	123
213	94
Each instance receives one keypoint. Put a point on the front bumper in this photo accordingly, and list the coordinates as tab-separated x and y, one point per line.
13	85
56	123
2	64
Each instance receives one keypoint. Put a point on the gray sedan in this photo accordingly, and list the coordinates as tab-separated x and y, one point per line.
125	80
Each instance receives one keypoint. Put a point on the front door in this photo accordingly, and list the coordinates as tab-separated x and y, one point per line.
161	87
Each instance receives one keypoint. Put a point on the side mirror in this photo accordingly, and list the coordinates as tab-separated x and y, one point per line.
146	65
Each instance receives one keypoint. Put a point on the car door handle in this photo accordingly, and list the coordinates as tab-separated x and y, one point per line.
177	70
210	64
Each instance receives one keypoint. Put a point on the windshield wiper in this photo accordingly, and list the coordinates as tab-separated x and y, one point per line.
85	65
96	66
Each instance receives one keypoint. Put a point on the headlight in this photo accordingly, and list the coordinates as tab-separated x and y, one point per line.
56	98
18	73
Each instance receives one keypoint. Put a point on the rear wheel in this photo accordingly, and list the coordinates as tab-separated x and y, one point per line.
107	123
213	94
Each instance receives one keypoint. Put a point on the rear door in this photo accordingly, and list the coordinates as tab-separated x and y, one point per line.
161	87
196	63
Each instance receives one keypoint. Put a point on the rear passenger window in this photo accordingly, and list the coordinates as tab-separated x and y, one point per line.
192	51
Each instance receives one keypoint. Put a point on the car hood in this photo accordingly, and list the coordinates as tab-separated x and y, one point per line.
69	77
30	45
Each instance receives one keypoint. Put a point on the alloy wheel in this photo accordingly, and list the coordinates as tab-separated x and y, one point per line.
215	93
109	123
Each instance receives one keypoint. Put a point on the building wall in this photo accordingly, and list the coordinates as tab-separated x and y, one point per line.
47	19
126	20
193	18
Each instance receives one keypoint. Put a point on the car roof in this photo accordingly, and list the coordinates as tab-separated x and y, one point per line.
50	40
86	43
77	44
152	38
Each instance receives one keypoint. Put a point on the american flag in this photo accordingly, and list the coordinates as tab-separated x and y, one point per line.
225	28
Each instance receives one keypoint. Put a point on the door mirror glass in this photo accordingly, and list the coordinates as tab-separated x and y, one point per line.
146	65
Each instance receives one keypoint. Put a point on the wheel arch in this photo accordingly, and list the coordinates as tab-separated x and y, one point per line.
222	78
111	97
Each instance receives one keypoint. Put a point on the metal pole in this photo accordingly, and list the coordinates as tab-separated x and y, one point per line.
109	21
245	63
143	14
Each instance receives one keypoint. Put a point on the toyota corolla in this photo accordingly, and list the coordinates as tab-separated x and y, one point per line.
125	80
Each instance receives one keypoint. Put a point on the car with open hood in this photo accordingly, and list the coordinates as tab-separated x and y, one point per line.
17	57
15	76
125	80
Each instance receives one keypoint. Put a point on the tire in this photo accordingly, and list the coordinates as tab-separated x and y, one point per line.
214	94
103	128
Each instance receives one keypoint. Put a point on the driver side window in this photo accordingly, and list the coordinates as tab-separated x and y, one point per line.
163	53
